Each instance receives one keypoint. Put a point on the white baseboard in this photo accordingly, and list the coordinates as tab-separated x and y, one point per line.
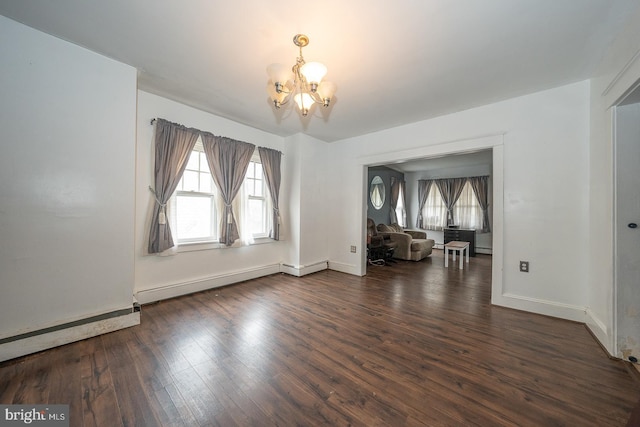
66	335
539	306
600	332
177	289
344	268
303	270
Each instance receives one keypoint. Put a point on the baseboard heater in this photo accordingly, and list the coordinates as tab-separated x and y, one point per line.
65	333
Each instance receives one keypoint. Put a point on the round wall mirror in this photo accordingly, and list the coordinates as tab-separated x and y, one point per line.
376	192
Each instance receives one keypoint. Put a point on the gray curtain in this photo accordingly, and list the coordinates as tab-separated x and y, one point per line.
271	166
228	161
173	145
480	185
403	186
395	193
423	192
450	190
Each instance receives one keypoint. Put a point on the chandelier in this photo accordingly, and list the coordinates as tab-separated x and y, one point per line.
303	82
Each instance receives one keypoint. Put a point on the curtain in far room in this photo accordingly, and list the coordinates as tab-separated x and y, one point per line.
480	185
423	192
450	190
393	203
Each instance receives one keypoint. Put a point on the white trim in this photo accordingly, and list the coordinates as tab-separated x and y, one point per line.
497	231
33	344
495	142
613	338
600	331
345	268
177	289
619	76
540	306
303	270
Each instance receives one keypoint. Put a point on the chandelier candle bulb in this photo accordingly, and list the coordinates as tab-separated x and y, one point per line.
313	72
279	74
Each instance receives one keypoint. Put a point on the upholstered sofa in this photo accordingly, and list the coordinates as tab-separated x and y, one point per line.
413	245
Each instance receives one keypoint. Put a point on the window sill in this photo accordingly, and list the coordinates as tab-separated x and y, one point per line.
205	246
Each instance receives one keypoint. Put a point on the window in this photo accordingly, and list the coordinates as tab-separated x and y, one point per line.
256	198
196	216
434	213
197	205
467	212
401	213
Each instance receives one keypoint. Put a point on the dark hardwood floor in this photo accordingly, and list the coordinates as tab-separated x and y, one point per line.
409	344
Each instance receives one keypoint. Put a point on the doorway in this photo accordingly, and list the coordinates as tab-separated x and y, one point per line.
494	143
627	227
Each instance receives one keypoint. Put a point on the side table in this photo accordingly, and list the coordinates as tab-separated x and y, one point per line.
454	247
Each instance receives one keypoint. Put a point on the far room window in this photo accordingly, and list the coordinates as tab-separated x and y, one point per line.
467	212
196	216
401	213
434	213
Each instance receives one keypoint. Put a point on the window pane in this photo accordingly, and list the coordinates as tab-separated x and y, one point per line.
192	164
256	220
190	181
250	170
204	166
435	212
258	188
258	170
206	183
466	211
194	217
400	212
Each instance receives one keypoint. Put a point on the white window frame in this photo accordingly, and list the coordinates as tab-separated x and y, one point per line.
265	198
180	192
212	241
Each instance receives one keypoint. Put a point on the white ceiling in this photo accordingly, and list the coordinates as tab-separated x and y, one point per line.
395	62
463	160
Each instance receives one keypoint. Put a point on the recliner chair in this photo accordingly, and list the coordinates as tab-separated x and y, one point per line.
380	247
413	245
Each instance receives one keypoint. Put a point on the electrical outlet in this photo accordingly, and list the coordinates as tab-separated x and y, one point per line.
524	266
353	249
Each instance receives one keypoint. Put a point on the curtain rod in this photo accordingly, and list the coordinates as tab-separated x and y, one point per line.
281	153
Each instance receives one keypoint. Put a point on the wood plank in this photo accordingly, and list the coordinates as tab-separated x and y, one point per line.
409	344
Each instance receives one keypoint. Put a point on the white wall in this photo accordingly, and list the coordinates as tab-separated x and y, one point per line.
306	188
617	73
545	150
67	124
159	277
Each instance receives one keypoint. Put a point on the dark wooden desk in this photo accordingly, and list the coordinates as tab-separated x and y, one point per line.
462	235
